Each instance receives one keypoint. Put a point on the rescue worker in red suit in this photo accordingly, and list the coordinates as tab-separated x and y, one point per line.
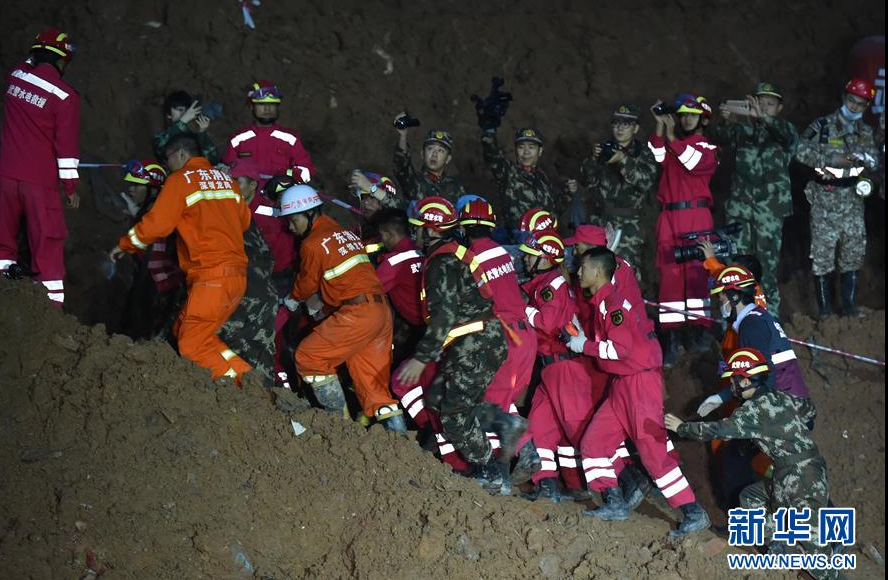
335	275
566	397
38	149
633	407
688	161
209	216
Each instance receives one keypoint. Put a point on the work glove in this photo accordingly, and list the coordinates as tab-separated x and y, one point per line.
710	404
291	303
576	342
315	307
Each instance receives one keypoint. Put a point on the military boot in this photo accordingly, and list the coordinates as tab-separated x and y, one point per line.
849	295
548	489
527	465
823	291
490	476
614	507
391	418
509	428
635	485
695	520
330	395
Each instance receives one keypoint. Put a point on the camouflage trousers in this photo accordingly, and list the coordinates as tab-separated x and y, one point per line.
466	368
249	331
800	485
762	236
838	233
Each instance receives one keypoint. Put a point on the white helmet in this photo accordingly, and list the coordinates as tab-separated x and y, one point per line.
298	199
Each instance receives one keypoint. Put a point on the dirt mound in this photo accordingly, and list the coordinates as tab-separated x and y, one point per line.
125	451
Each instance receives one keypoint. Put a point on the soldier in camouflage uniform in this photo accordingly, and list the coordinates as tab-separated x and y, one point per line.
521	184
839	147
769	418
431	180
181	111
624	182
466	339
761	195
249	331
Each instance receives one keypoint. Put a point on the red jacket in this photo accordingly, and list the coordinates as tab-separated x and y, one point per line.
551	306
276	234
273	148
40	128
496	263
400	272
688	165
620	344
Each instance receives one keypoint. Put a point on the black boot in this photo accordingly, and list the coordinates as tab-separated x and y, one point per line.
849	295
527	465
493	478
614	508
509	428
634	484
823	291
670	348
695	520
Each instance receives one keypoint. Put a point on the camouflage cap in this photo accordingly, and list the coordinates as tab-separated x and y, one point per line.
439	136
626	113
529	134
764	88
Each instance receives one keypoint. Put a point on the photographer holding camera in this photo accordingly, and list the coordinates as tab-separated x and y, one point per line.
688	161
430	180
761	196
623	172
184	114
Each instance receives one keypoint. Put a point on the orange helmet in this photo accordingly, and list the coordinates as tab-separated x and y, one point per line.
432	212
537	218
734	277
264	91
861	87
478	212
54	40
146	172
544	243
745	362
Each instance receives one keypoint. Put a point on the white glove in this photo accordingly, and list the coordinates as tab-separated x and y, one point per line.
710	404
292	304
576	343
315	306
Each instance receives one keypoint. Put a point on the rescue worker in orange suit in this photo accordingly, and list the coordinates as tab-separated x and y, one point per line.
634	402
274	148
478	222
465	336
566	397
688	161
209	216
38	149
335	274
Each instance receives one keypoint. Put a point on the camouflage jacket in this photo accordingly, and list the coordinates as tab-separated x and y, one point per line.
833	135
770	418
624	187
207	147
416	184
763	149
520	189
452	299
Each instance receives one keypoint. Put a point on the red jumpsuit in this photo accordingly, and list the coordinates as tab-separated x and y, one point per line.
400	272
685	198
38	149
633	407
567	395
275	149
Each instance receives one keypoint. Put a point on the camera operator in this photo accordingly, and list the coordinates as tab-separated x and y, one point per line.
623	172
761	196
183	114
430	180
688	161
840	147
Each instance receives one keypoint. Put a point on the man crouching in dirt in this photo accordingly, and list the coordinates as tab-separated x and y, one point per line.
771	419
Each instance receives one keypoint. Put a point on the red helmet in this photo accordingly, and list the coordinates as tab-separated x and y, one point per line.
861	87
536	218
146	172
745	362
433	212
477	212
734	277
264	91
54	40
694	105
545	243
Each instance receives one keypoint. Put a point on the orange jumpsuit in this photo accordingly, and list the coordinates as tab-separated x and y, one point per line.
332	261
205	208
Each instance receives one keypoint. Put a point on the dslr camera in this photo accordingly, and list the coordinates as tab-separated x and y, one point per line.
724	244
663	109
608	149
405	121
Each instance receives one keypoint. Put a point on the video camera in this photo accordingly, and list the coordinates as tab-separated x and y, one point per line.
405	121
210	109
724	245
492	108
663	109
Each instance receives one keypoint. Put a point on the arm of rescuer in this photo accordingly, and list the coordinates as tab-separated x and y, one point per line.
697	158
493	157
553	313
615	341
441	286
308	280
744	423
388	275
299	158
67	149
161	219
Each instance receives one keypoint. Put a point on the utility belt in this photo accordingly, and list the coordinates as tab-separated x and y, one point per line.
620	211
550	359
361	298
793	460
840	182
465	329
677	205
